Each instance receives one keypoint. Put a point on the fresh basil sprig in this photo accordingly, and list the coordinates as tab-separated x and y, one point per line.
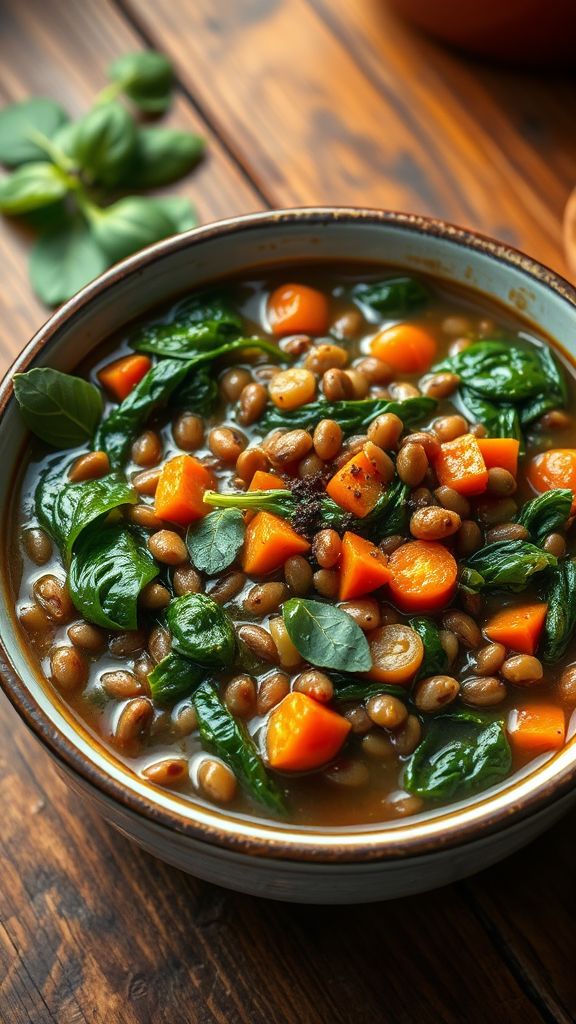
73	171
61	409
326	636
214	542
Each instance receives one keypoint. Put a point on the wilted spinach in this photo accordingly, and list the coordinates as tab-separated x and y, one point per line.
109	567
561	615
174	678
546	513
353	416
461	754
201	630
66	509
506	565
393	296
435	661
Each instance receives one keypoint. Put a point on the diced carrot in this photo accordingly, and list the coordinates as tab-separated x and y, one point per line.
500	452
363	567
262	481
270	540
518	627
397	653
303	734
406	347
357	486
297	309
536	728
554	468
460	465
423	576
180	491
122	376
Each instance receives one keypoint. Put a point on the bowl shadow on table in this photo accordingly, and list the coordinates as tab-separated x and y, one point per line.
262	961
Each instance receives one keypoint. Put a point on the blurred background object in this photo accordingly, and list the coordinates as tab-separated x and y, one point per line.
516	32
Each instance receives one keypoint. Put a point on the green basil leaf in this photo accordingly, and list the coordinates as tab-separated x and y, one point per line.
461	754
129	225
66	509
60	409
146	77
353	416
560	620
30	187
222	734
201	630
505	565
326	636
214	542
179	211
63	260
546	513
435	661
174	678
18	124
161	156
104	141
109	568
393	296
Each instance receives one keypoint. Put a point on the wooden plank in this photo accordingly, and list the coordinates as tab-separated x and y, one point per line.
384	129
65	55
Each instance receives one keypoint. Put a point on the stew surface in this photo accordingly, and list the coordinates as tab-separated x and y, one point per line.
306	549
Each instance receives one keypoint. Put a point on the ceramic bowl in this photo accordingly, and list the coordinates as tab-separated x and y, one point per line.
319	865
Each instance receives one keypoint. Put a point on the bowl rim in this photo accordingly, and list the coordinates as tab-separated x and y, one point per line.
375	844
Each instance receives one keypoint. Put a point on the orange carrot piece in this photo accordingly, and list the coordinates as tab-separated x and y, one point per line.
357	486
406	347
554	468
297	309
270	540
262	481
180	491
363	567
303	734
122	376
500	452
423	576
460	465
536	728
518	627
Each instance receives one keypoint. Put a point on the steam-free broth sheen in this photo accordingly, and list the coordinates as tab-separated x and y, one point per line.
323	573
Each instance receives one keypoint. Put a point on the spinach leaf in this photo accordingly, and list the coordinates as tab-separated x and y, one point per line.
60	409
353	416
198	394
348	687
109	568
66	509
202	317
201	630
498	371
462	753
388	515
556	394
546	513
435	661
561	615
326	636
500	420
214	542
174	678
507	565
31	187
394	295
21	123
221	733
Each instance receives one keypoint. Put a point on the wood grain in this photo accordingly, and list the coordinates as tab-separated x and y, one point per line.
301	102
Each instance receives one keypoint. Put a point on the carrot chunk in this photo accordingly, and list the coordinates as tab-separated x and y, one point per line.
122	376
500	452
297	309
270	540
357	486
262	481
460	465
423	576
363	567
303	734
554	468
535	728
406	347
180	491
519	627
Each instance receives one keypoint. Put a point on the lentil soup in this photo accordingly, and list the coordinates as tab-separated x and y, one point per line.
306	549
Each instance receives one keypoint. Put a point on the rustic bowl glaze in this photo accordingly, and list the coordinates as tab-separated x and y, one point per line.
274	859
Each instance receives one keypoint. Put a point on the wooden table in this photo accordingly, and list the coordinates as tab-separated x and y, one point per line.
302	102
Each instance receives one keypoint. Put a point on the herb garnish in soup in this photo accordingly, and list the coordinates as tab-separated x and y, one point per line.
305	548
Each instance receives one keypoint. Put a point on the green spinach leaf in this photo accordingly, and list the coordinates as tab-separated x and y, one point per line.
198	394
222	734
348	687
353	416
214	542
506	565
66	509
461	754
109	567
546	513
326	636
201	630
435	661
561	615
20	123
393	296
60	409
174	678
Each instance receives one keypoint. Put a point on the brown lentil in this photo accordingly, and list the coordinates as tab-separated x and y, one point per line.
325	357
440	385
186	580
217	781
411	464
455	326
159	643
170	772
147	481
252	403
69	668
185	720
501	482
315	684
34	618
120	684
271	690
233	381
52	595
348	324
388	615
450	499
337	386
154	596
556	419
391	543
134	721
240	696
259	641
129	642
188	431
482	691
497	510
297	345
38	545
228	587
298	574
489	659
360	722
506	531
433	523
90	467
464	628
327	548
426	439
566	688
385	430
468	538
289	447
379	746
167	547
375	370
250	461
555	544
292	388
448	428
408	736
402	389
365	612
327	582
264	598
347	772
386	711
434	693
144	516
327	439
226	443
450	644
147	449
88	637
360	383
522	670
310	465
